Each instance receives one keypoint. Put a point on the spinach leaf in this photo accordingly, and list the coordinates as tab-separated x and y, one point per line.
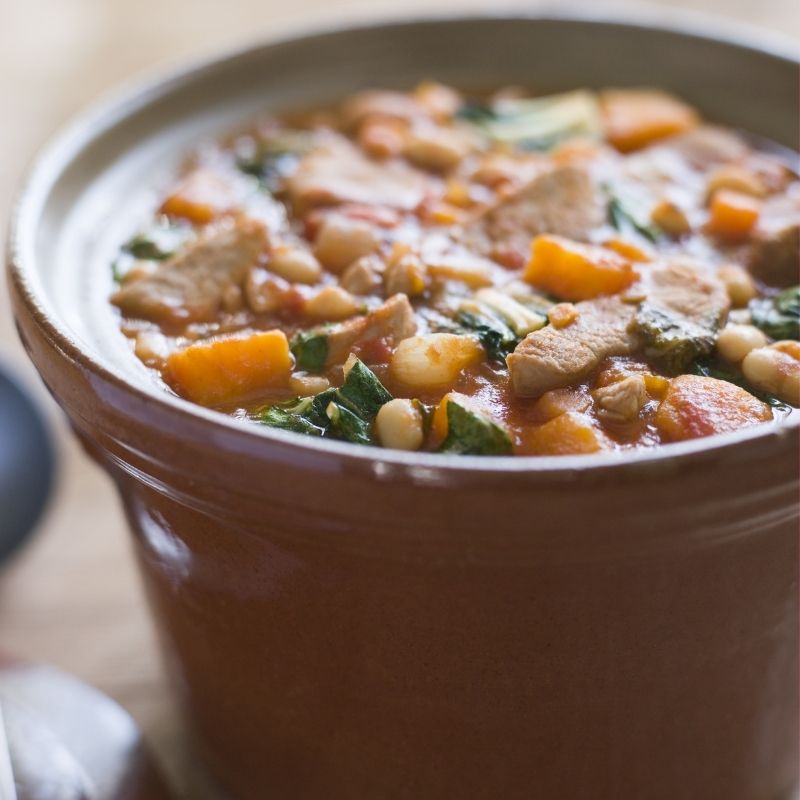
344	413
471	433
277	417
711	368
672	341
624	219
477	113
348	426
310	349
363	392
271	160
778	317
497	338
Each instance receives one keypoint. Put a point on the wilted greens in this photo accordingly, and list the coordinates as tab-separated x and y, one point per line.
778	317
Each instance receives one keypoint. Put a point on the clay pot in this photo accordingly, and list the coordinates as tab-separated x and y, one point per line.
356	623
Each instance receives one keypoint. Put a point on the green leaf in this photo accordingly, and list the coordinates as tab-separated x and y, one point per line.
673	342
159	242
536	123
708	368
348	426
271	160
624	219
310	350
471	433
362	391
778	317
497	338
277	417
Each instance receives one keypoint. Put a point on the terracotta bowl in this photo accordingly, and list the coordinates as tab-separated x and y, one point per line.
357	623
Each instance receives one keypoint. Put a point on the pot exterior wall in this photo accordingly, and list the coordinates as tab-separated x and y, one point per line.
313	672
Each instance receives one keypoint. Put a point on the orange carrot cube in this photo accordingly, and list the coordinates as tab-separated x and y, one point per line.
574	271
223	370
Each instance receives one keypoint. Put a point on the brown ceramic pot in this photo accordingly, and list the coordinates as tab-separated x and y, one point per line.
355	623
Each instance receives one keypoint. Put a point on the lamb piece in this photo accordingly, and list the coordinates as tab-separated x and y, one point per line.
190	286
563	201
397	106
393	321
337	172
678	321
707	146
774	252
553	358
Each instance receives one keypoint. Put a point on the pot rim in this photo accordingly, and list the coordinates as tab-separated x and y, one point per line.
114	107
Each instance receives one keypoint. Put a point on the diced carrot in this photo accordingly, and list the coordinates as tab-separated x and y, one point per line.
223	370
567	434
633	118
733	215
559	401
200	197
695	406
574	271
627	249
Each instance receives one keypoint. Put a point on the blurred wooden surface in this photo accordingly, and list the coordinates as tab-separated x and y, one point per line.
73	597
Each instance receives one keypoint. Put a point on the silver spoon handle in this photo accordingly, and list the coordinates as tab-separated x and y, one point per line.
8	790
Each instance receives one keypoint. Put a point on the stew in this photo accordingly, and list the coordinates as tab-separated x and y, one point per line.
499	274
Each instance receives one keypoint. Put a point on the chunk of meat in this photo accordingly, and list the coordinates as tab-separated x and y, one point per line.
381	104
552	358
337	172
774	254
680	316
393	321
564	201
623	400
695	406
707	146
190	287
677	320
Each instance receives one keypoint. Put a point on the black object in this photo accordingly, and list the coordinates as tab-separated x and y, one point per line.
27	465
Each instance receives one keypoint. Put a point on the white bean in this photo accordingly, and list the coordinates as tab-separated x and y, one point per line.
738	283
775	369
331	303
295	265
736	341
399	425
435	148
341	241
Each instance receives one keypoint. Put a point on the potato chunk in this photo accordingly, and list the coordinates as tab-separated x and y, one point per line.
633	118
695	406
224	370
574	271
434	360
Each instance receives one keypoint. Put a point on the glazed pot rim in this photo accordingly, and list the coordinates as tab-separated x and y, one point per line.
113	108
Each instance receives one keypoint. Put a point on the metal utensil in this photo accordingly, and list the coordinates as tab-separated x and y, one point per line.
8	790
26	464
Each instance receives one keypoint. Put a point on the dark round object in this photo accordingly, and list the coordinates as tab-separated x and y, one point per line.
26	465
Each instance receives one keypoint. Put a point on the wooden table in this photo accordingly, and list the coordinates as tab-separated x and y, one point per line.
73	598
